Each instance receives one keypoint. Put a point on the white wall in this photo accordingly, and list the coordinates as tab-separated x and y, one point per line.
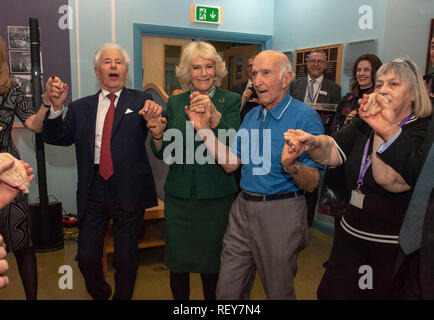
407	30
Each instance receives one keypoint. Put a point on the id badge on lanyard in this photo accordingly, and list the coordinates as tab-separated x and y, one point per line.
357	196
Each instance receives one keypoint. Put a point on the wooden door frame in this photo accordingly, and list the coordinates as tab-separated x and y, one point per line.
140	30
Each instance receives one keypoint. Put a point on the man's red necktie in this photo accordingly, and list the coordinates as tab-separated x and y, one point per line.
105	160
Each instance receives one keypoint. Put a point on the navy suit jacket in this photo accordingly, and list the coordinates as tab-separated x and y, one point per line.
133	178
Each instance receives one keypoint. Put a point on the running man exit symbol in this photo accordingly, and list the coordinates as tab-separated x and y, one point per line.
206	14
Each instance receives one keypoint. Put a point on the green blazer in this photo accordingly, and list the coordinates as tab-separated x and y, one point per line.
210	180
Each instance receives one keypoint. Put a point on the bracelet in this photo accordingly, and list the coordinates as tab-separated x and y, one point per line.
46	105
160	138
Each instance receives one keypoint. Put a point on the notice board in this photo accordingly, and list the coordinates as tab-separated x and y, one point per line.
334	62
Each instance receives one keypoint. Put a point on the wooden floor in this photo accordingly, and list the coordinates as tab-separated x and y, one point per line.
152	278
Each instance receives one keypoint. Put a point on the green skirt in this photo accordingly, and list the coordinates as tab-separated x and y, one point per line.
194	233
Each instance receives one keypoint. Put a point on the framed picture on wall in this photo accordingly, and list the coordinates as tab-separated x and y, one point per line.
19	37
429	66
20	61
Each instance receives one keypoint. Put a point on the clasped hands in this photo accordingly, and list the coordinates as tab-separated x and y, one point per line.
151	112
202	111
379	113
56	92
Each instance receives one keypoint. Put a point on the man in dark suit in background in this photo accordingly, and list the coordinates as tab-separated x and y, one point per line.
315	88
114	175
249	97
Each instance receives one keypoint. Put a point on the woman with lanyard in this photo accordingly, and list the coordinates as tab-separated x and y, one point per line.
365	248
198	196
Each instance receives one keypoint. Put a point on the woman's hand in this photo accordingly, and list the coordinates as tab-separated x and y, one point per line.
350	117
380	115
55	92
151	112
199	116
199	101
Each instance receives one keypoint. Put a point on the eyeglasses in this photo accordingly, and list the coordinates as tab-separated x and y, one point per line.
313	61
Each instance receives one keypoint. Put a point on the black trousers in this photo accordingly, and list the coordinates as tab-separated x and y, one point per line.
102	206
344	278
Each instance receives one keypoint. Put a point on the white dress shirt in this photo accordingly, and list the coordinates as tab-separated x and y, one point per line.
103	106
316	88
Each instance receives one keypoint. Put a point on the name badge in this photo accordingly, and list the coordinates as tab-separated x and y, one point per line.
324	93
357	199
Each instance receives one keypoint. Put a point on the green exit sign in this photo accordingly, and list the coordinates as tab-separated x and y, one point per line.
206	14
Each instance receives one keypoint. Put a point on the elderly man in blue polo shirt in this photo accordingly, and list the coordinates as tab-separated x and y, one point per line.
267	223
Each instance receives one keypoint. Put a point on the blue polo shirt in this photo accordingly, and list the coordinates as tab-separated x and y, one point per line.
259	143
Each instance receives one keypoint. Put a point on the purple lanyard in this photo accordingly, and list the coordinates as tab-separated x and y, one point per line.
315	95
367	160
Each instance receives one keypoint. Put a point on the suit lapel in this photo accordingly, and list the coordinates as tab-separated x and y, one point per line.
123	103
326	88
303	88
91	121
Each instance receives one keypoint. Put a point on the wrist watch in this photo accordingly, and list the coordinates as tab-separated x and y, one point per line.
296	167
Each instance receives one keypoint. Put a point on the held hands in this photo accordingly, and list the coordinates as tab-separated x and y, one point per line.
151	112
377	111
199	111
55	93
297	142
199	101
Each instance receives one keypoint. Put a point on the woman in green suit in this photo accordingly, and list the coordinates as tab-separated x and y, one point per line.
198	193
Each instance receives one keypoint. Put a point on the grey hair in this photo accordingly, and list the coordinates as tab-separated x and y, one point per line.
404	68
318	51
110	45
284	68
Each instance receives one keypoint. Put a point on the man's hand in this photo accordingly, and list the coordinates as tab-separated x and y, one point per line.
55	92
151	112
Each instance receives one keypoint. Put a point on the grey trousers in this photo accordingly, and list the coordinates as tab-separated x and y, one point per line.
265	236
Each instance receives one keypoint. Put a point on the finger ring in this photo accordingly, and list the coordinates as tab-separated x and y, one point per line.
201	106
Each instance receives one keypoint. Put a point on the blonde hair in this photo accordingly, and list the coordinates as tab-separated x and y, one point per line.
5	81
405	69
194	50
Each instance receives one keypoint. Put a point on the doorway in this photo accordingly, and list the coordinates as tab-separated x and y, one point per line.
161	55
217	38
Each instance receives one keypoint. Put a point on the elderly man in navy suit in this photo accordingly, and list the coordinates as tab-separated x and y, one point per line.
114	175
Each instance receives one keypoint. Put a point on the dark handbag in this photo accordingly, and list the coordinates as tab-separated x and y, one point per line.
334	197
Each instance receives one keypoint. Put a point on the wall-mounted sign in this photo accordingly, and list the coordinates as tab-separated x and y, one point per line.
206	14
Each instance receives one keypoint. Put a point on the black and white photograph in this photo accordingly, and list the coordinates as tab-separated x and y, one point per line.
20	61
19	37
24	81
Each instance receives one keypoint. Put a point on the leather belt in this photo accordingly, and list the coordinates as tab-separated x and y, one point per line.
269	197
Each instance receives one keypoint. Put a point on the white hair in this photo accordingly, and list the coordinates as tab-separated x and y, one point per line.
109	45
